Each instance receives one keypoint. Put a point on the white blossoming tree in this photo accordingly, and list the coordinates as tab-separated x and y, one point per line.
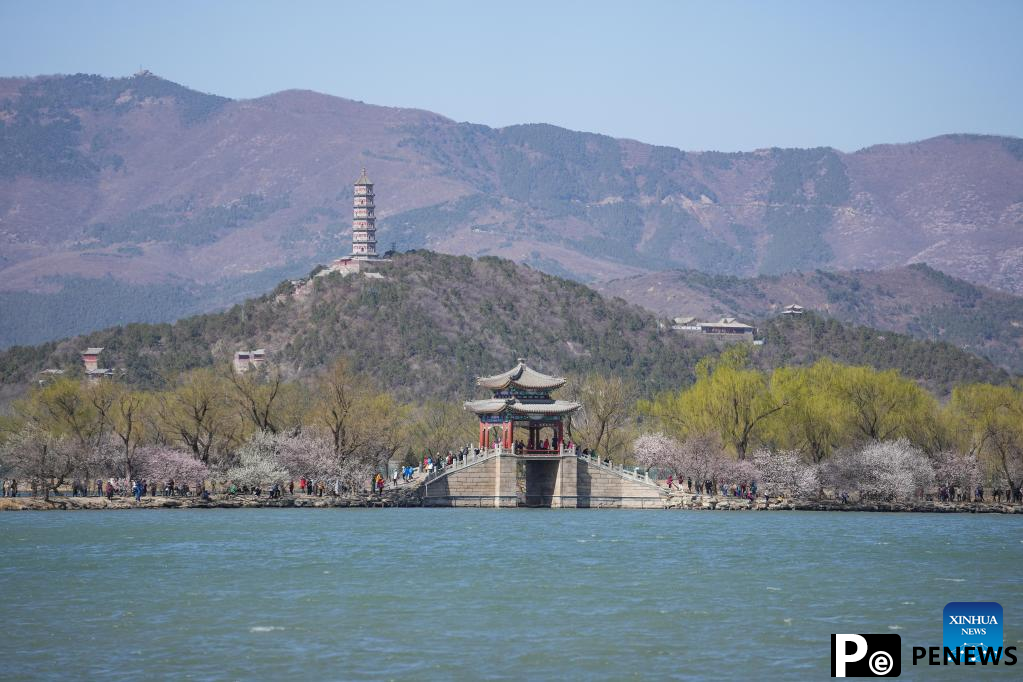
885	470
259	462
956	469
785	473
656	451
701	458
162	463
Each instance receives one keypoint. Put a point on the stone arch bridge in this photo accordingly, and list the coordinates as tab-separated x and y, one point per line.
498	477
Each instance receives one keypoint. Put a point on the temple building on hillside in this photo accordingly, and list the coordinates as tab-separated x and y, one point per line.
90	360
726	325
522	398
244	360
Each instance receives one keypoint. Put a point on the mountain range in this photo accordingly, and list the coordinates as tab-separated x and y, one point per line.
138	199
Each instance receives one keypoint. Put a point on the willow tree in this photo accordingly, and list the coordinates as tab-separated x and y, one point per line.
885	405
65	408
362	422
988	421
605	421
264	400
126	412
440	426
196	412
814	421
729	398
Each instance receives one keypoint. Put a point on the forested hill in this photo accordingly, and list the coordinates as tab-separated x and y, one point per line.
434	322
428	328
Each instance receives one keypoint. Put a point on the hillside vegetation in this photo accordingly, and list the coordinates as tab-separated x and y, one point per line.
435	322
916	300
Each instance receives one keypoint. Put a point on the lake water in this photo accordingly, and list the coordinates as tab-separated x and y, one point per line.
470	594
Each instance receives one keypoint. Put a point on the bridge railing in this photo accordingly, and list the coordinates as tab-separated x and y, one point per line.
472	457
466	460
619	469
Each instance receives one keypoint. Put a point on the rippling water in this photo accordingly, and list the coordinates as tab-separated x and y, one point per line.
468	594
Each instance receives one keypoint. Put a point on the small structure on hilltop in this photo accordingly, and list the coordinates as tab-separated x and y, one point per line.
48	375
244	360
793	309
726	325
522	397
686	323
90	360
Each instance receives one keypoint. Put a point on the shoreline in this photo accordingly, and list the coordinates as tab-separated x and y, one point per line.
410	498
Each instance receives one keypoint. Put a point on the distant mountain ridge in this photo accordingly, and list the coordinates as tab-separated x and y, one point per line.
197	201
916	300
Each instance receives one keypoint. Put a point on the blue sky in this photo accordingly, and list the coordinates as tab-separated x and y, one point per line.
696	75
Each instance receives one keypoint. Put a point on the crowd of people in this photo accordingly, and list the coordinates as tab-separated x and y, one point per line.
949	493
747	491
140	488
546	445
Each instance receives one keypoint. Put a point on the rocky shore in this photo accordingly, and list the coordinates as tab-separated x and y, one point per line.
407	497
410	497
719	503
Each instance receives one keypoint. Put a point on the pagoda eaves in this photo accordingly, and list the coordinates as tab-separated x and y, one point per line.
514	406
521	376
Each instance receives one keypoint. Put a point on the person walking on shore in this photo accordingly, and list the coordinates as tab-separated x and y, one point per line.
394	478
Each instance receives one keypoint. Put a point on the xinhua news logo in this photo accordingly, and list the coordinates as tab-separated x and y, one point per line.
866	655
973	627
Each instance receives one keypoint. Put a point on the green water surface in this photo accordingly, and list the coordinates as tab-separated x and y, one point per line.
453	594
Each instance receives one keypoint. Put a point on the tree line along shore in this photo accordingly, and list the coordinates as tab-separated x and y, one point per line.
798	432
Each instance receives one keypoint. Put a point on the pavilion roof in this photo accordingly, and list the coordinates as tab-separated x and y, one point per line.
363	179
521	376
514	406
